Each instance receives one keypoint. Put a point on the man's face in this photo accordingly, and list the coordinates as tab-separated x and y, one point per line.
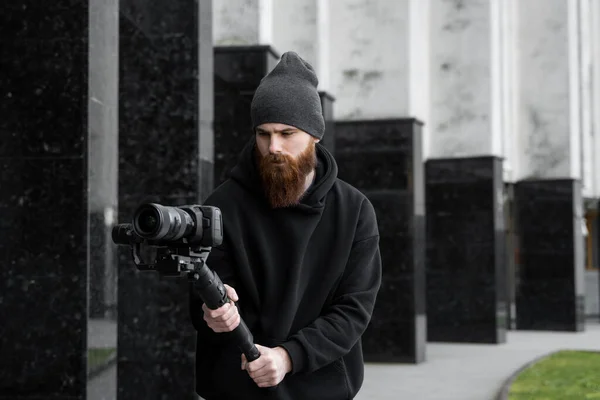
286	155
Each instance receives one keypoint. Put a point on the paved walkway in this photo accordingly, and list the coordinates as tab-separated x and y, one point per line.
451	371
467	371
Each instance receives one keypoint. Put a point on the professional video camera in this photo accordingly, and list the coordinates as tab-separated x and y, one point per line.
176	241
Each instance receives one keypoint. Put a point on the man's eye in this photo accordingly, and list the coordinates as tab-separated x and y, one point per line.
288	133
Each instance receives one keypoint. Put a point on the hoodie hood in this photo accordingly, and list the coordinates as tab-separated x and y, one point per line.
245	173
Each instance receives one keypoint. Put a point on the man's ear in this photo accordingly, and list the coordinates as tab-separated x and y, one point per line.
316	140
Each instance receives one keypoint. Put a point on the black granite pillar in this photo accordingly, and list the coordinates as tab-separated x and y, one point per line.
43	199
383	159
165	155
511	254
550	291
466	273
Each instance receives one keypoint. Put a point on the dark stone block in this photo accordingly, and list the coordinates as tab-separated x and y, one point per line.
44	84
44	278
151	381
165	155
327	105
509	214
27	20
466	274
383	159
159	19
241	68
549	292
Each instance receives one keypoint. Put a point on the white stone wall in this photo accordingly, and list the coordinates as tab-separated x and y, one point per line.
595	106
461	79
585	92
505	119
242	22
303	26
369	58
548	78
295	24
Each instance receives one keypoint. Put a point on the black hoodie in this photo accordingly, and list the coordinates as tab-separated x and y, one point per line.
307	277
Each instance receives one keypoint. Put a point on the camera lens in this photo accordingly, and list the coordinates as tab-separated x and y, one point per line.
156	222
148	221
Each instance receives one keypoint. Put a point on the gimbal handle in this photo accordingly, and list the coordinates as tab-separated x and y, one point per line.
211	290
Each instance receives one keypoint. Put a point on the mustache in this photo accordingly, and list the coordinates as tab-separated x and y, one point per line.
277	158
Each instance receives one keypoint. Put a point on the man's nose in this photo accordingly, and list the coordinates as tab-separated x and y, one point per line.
275	145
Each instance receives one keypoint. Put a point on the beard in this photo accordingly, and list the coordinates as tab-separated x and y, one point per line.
283	177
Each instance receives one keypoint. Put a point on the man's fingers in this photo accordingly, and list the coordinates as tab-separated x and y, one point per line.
266	381
256	369
230	311
232	322
209	313
259	363
231	293
223	319
226	326
222	313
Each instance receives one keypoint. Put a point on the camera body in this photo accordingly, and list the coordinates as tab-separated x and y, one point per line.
170	240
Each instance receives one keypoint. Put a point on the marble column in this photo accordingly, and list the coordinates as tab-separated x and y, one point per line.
466	269
595	107
53	111
165	155
378	67
549	193
594	36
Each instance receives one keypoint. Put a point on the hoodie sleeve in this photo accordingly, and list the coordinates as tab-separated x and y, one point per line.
343	322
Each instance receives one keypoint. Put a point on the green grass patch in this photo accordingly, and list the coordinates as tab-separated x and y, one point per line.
97	357
565	375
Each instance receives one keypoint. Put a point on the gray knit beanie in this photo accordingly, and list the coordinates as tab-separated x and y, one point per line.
288	95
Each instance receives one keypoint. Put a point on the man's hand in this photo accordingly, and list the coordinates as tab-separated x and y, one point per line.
225	318
270	368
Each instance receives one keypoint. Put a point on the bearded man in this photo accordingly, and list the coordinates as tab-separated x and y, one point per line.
300	257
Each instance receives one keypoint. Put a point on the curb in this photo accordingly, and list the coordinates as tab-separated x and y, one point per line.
109	362
505	388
